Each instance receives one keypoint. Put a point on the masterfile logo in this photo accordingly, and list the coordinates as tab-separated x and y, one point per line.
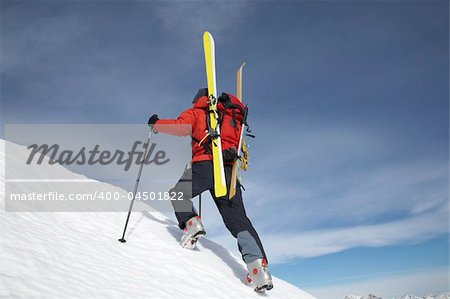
78	159
96	156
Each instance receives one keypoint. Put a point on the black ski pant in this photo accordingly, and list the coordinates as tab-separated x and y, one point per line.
232	211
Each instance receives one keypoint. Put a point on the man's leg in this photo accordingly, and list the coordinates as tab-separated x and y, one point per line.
194	181
250	246
236	220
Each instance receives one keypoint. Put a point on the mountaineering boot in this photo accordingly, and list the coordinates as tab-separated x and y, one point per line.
259	275
193	231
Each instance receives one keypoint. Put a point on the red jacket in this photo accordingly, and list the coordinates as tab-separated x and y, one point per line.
196	118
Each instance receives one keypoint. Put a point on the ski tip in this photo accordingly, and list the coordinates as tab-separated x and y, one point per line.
207	34
208	39
242	65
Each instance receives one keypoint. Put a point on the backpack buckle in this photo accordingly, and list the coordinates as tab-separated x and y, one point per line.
213	133
212	100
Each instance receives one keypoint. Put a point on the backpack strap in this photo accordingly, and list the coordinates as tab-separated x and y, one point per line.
209	134
206	146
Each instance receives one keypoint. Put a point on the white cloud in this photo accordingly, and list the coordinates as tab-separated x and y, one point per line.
304	244
315	243
330	181
389	286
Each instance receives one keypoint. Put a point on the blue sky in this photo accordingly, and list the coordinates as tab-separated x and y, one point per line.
348	183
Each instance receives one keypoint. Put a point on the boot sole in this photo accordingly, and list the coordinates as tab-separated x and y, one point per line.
191	243
266	287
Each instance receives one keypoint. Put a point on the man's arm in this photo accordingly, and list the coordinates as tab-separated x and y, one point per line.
182	126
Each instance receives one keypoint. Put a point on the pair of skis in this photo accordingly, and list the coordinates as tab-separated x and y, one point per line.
220	186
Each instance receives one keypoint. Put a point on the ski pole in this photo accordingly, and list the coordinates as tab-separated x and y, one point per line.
136	185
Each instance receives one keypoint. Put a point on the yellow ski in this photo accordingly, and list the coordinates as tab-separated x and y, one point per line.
220	186
241	139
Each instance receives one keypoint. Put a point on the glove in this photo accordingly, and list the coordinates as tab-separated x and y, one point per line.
152	120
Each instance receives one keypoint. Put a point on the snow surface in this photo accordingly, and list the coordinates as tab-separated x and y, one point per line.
77	255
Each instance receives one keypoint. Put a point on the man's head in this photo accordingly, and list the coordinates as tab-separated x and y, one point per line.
202	92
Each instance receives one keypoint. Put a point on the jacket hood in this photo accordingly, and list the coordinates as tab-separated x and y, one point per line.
201	102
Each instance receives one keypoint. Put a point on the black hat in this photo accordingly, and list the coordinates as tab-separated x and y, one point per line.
202	92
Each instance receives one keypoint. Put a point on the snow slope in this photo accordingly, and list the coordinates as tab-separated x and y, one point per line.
77	255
